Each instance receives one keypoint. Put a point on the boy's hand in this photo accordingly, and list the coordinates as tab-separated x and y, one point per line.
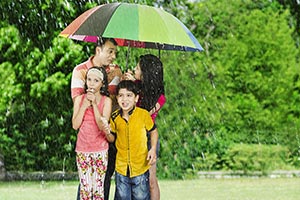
151	156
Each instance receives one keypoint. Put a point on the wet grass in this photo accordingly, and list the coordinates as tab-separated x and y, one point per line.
208	189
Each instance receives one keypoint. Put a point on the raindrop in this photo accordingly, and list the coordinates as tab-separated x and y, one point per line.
164	120
67	4
194	109
203	156
45	145
213	84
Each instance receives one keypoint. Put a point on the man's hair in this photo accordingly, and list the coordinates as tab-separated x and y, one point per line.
128	85
101	41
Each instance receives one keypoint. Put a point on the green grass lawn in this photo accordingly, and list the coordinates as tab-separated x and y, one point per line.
208	189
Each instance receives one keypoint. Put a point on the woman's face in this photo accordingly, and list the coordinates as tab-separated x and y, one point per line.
137	72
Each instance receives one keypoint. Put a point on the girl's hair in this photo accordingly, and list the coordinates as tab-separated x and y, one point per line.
104	88
152	81
128	85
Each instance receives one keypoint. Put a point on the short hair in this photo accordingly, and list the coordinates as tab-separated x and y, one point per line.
128	85
102	40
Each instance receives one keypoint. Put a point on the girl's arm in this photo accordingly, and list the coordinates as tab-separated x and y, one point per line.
78	111
102	120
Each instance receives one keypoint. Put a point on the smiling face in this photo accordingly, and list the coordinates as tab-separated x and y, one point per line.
94	80
126	99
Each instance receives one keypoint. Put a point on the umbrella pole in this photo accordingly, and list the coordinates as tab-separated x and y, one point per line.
159	53
127	57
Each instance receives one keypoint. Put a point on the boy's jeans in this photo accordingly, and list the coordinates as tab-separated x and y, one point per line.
135	188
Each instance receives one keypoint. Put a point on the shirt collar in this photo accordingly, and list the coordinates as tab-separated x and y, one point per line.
89	63
130	112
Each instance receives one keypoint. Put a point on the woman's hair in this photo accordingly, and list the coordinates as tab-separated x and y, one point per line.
152	81
128	85
104	88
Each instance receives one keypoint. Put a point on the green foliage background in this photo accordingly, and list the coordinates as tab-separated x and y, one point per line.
225	106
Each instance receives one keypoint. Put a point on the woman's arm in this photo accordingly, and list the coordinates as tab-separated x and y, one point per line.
152	152
159	104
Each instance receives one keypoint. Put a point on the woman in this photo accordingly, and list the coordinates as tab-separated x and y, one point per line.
148	74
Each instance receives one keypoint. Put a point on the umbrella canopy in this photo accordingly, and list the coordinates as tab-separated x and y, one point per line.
133	25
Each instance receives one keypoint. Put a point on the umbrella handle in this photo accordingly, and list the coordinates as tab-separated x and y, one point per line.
159	53
127	57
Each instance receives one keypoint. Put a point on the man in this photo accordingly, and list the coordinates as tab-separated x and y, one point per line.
105	54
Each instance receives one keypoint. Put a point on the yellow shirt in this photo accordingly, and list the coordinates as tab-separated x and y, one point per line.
131	141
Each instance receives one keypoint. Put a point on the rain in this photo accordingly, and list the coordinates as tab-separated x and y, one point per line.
216	100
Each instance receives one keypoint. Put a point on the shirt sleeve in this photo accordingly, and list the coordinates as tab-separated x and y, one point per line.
148	121
113	76
77	82
161	100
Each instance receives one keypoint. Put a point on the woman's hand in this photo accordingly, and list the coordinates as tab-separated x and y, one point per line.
128	76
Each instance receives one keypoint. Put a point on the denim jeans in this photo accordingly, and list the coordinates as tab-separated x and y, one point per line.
135	188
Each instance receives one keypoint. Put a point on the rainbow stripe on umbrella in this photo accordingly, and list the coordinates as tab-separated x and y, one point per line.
133	25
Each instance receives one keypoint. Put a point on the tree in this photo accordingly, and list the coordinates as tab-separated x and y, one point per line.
243	88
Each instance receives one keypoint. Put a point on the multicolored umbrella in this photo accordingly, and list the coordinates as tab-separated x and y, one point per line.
133	25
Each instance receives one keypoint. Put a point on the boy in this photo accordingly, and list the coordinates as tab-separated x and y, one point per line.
129	127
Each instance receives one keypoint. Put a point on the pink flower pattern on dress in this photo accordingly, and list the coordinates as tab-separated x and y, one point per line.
91	169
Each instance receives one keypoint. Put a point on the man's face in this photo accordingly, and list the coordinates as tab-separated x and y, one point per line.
107	53
126	99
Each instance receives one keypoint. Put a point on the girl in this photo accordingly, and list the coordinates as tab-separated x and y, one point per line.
91	113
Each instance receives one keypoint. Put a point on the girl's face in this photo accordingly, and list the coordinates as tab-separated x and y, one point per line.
137	72
126	99
93	82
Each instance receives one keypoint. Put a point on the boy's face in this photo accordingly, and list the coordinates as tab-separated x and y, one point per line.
126	99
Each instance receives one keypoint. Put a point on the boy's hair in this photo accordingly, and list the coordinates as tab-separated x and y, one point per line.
128	85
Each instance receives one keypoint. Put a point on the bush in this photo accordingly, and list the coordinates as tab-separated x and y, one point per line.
256	157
